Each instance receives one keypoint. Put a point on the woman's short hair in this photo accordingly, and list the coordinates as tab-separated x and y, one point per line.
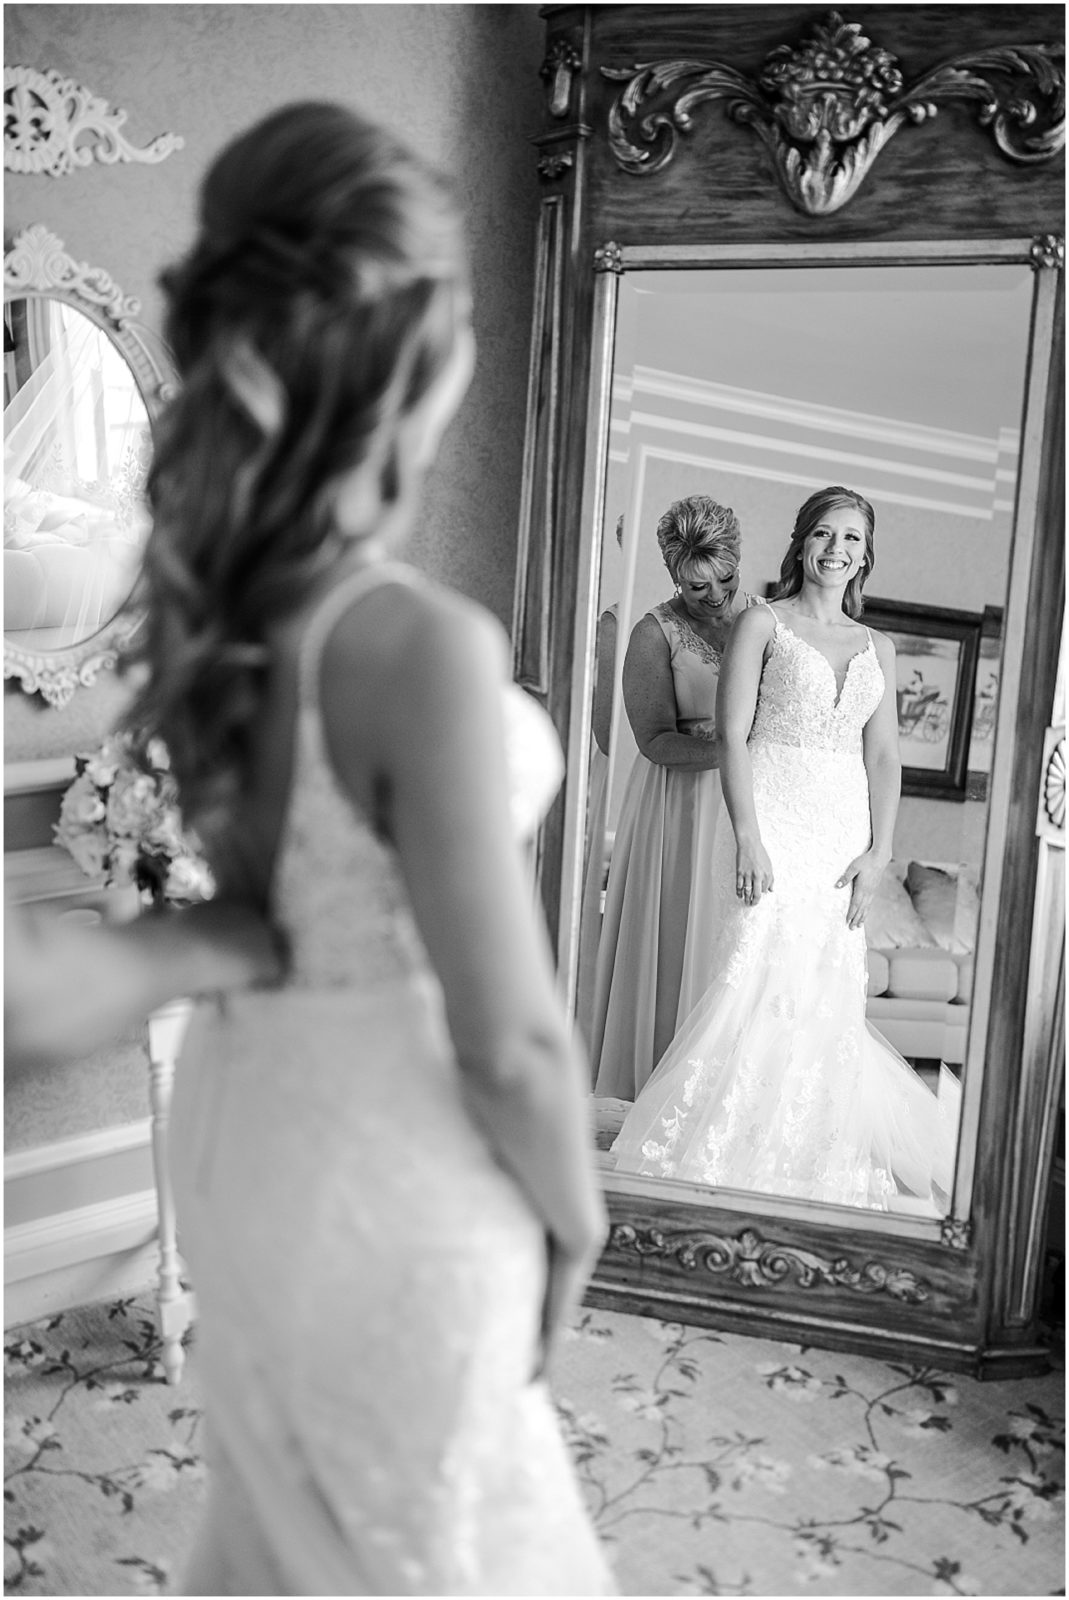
810	514
697	529
318	303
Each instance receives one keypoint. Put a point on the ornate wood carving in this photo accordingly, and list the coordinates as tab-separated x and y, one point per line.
551	165
562	62
1049	250
955	1233
1052	816
759	1263
609	258
824	109
53	125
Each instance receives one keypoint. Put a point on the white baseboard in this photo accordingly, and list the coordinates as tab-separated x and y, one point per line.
74	1257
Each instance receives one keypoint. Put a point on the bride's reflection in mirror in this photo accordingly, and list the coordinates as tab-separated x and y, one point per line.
742	384
775	1082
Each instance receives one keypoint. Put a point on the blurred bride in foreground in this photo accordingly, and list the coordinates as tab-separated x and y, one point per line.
382	1167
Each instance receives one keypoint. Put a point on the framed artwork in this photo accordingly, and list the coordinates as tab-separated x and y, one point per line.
985	703
937	651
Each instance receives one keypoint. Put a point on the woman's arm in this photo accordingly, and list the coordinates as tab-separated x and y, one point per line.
604	673
439	758
736	702
650	703
70	989
883	765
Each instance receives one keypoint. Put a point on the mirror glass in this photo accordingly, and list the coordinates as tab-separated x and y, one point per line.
756	387
77	443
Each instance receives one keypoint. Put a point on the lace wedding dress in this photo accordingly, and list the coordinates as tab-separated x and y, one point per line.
776	1082
368	1279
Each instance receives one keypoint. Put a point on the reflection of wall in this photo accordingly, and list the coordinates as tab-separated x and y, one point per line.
942	501
458	82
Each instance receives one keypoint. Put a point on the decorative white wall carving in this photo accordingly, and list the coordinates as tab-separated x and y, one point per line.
53	125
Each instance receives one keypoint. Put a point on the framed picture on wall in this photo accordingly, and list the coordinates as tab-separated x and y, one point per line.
937	651
985	703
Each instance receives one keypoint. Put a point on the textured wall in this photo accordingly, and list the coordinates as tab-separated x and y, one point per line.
458	82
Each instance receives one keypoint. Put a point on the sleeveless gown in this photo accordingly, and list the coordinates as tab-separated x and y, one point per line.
776	1082
659	925
368	1279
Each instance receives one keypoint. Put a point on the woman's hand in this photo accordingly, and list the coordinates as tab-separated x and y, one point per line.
864	872
753	871
567	1275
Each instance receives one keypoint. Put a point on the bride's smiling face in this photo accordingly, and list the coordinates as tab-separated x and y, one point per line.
835	550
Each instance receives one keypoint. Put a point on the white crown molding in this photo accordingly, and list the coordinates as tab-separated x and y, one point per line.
805	480
809	451
821	418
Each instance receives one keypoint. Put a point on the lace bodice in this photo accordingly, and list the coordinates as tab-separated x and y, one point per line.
800	702
338	892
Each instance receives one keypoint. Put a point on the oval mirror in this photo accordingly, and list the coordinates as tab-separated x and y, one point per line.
81	385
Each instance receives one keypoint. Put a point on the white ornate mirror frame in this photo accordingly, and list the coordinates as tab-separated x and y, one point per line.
37	266
633	180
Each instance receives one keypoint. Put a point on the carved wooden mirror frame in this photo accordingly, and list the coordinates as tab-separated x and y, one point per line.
794	164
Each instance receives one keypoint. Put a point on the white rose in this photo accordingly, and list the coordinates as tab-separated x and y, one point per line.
189	879
132	804
81	806
164	837
89	851
102	766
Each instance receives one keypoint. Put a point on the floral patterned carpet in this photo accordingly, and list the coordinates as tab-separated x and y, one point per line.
712	1464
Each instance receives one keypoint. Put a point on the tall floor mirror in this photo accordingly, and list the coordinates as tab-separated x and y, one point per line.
721	346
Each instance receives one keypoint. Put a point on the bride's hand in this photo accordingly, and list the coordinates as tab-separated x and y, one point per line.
753	871
864	872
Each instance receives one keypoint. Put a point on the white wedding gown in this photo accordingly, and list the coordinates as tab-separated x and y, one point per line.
369	1280
776	1082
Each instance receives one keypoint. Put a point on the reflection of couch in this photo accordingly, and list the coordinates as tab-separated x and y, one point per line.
921	931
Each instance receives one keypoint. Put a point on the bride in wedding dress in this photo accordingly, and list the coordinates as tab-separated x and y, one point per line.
384	1177
776	1082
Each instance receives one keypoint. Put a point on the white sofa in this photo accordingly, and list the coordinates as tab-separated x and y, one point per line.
921	931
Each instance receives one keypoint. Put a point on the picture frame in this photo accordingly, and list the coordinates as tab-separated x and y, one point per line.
937	650
985	703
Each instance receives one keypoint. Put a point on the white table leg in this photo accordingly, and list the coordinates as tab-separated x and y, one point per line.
166	1030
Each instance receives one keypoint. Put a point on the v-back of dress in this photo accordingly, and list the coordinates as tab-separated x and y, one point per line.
776	1082
368	1279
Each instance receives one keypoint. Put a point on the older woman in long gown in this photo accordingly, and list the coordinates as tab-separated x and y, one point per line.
658	924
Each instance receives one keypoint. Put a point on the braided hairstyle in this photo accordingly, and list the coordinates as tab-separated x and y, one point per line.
695	530
809	516
316	307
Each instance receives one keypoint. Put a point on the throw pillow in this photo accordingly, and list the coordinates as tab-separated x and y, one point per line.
892	922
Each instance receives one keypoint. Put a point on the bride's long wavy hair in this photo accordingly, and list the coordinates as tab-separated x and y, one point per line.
316	307
809	516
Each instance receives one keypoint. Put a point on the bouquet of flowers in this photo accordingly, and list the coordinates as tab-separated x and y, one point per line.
120	818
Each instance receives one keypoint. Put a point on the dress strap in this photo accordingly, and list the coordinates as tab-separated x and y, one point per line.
333	605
